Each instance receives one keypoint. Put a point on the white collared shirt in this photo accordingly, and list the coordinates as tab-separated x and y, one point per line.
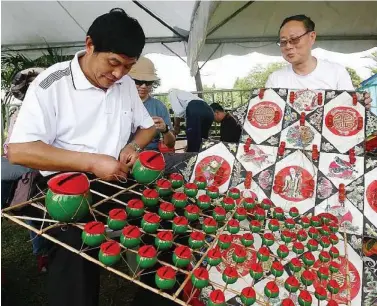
326	75
63	109
179	99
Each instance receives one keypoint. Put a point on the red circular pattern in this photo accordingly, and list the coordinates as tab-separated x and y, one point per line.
242	268
262	115
215	169
345	120
285	174
340	276
371	195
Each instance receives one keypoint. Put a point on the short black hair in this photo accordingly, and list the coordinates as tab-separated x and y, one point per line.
118	33
217	107
308	23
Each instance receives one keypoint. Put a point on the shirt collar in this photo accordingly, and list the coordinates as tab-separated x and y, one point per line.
78	77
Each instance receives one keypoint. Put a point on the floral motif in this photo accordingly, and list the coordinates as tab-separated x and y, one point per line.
207	144
324	188
237	178
370	288
232	147
327	146
355	242
273	141
282	92
330	95
240	113
370	230
289	117
371	163
356	193
316	119
371	124
188	169
359	150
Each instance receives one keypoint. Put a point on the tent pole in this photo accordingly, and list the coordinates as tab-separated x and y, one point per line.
199	85
144	8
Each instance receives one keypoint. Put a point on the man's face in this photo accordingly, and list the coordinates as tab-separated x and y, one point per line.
144	88
218	116
296	51
105	68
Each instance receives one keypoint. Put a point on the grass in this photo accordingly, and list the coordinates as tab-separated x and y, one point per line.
25	286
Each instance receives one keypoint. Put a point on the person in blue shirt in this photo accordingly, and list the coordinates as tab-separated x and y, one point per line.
144	75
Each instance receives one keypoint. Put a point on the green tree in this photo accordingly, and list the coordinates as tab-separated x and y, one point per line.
355	78
256	78
373	57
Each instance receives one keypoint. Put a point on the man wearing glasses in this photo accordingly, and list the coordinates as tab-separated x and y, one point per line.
297	36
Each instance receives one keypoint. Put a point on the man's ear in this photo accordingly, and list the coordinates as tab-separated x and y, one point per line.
89	46
313	36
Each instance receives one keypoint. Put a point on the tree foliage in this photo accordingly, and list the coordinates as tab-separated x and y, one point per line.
355	78
373	57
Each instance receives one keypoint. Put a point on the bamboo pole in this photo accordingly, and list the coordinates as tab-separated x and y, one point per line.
13	207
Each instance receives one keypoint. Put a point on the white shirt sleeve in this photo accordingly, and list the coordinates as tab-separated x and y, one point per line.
270	83
141	118
176	103
344	80
36	120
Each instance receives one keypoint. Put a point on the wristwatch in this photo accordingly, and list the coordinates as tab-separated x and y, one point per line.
166	130
135	146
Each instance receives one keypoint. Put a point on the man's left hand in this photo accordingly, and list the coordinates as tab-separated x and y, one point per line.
367	100
159	123
128	155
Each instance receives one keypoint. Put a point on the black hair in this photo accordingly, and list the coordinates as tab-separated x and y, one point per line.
118	33
308	23
217	107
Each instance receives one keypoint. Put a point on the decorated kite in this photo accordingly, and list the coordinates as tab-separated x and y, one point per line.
287	216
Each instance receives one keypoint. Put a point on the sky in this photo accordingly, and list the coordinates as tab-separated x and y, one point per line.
223	72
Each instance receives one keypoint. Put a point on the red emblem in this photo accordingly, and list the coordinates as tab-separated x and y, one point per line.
371	195
264	115
343	121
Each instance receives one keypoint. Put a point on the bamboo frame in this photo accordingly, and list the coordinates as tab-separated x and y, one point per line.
133	278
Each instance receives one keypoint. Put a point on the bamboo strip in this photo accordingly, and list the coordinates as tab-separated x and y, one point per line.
22	204
91	259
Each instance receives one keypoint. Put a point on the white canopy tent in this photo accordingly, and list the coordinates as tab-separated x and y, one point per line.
198	30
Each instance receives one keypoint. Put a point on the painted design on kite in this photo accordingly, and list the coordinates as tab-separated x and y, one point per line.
305	100
256	156
340	168
215	169
343	121
300	136
290	183
265	179
371	195
265	115
324	189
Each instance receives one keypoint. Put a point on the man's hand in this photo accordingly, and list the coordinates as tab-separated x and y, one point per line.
367	100
108	168
128	156
159	123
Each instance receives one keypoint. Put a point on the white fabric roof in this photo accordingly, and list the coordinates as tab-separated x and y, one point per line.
341	26
30	24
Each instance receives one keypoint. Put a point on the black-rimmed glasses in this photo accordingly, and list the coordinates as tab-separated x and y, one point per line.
291	41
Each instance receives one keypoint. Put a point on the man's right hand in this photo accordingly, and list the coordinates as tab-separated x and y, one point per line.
108	168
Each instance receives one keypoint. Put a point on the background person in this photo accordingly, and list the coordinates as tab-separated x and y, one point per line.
144	75
198	114
230	129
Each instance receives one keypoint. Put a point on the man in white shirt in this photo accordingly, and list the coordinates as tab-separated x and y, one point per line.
78	116
296	37
198	114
